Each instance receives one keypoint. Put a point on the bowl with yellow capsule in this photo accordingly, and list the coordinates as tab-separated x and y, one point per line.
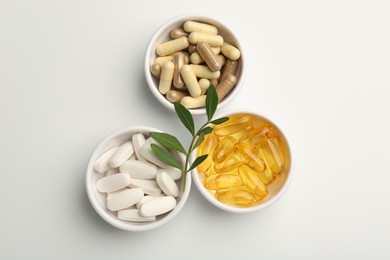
249	163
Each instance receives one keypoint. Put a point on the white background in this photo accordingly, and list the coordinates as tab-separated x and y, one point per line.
71	72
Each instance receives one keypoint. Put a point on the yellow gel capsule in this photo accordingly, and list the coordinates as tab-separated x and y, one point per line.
207	147
253	136
231	162
268	156
274	145
222	181
233	125
224	148
252	181
239	196
249	157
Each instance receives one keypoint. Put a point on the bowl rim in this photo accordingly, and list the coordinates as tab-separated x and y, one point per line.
129	226
199	185
149	50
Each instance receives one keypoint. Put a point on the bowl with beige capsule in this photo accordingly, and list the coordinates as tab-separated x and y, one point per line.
188	54
249	163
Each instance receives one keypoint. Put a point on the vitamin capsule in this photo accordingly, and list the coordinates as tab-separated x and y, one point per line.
148	154
193	102
166	77
192	48
222	181
124	198
239	196
102	163
167	184
138	141
121	155
133	216
212	39
230	163
139	169
230	51
204	85
249	157
252	138
157	206
170	47
195	57
224	148
174	173
148	186
233	125
175	95
207	147
229	68
214	82
178	61
190	80
268	156
145	199
275	147
226	86
202	71
113	182
222	59
178	33
191	26
155	69
212	60
252	181
162	60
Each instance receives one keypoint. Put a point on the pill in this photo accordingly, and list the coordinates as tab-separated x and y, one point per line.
204	85
193	102
139	169
148	186
175	95
231	162
230	51
239	196
207	147
162	60
192	48
148	154
268	156
275	147
190	80
170	47
138	141
146	199
207	54
121	155
166	77
124	199
221	59
226	86
233	125
250	158
167	184
214	82
251	180
202	71
229	68
178	61
178	33
196	58
224	148
113	182
155	69
112	171
102	163
222	181
191	26
174	173
157	206
134	216
212	39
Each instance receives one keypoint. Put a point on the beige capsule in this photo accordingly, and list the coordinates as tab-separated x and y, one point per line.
226	86
175	95
202	71
207	54
178	33
230	51
212	39
191	26
204	85
229	68
170	47
178	61
222	59
162	60
190	80
166	77
195	57
155	69
193	102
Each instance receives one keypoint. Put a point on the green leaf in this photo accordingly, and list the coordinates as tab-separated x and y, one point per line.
168	141
211	102
198	161
165	156
219	120
199	140
205	130
185	117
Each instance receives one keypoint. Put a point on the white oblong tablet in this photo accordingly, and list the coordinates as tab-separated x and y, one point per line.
148	186
157	206
138	141
148	154
122	154
113	182
124	199
102	163
139	169
167	184
133	215
146	199
174	173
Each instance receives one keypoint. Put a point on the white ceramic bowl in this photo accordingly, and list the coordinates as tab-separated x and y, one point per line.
98	199
275	189
162	35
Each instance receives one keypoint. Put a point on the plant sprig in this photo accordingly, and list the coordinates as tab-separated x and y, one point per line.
172	143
